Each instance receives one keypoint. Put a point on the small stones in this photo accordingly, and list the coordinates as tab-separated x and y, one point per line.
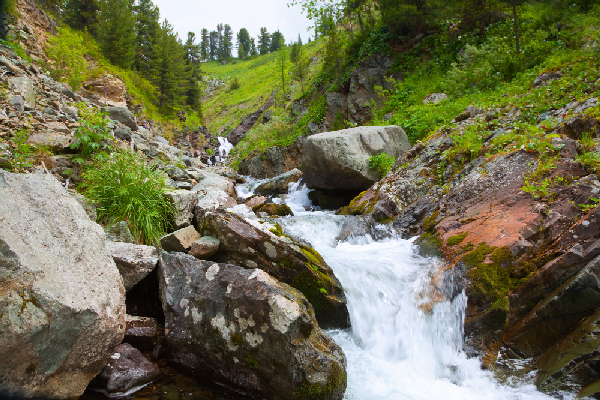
205	247
180	240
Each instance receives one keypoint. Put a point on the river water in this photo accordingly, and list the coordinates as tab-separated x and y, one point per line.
401	345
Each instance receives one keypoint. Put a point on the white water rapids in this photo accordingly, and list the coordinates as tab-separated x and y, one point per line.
395	349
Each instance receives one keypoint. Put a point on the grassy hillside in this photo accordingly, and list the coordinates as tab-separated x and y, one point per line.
258	77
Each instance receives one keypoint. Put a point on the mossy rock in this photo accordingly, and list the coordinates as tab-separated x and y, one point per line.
278	210
454	240
333	389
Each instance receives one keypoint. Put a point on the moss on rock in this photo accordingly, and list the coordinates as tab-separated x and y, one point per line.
454	240
333	389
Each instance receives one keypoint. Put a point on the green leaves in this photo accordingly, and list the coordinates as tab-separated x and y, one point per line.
22	153
92	135
382	163
66	51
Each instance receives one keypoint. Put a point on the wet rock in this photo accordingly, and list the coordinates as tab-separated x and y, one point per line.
205	247
256	201
244	328
339	160
279	184
289	261
185	203
272	209
127	371
134	261
141	332
273	161
180	240
62	303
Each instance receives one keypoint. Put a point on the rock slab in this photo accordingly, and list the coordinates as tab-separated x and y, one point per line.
340	160
242	327
62	308
134	261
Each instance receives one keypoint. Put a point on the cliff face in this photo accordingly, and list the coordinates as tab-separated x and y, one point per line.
512	208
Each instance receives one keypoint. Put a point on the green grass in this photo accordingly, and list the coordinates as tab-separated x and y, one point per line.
126	188
257	78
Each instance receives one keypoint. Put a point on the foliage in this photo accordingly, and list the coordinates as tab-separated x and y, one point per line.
235	84
22	152
127	189
92	134
382	163
116	31
66	51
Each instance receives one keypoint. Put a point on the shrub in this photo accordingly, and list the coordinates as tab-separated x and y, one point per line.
92	135
381	163
22	151
66	50
127	189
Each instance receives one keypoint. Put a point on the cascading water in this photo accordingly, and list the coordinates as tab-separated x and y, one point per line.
224	147
406	340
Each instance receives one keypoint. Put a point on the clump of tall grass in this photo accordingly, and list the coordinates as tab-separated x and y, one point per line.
126	188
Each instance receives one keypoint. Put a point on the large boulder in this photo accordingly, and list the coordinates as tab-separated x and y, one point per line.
242	327
273	161
289	261
210	180
279	184
62	309
340	160
134	261
122	115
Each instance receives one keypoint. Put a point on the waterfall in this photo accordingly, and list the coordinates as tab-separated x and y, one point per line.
224	147
406	338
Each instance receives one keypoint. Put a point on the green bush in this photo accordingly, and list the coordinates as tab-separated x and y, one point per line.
92	135
66	51
22	151
381	163
127	189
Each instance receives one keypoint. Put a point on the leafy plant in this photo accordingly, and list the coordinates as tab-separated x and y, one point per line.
22	152
66	51
93	132
127	189
381	163
235	84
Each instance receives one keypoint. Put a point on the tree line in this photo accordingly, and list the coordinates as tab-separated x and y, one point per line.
130	35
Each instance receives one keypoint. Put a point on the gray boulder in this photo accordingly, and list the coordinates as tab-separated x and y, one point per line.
126	372
122	115
294	263
17	102
339	160
244	328
141	332
279	184
62	298
123	134
180	240
134	261
185	202
210	180
24	86
211	199
71	112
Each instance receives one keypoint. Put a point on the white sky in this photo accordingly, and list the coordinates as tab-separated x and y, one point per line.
191	16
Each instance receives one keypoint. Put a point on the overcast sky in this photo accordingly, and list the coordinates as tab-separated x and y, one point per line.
191	16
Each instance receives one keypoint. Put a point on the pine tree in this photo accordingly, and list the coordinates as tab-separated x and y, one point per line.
116	31
220	42
171	69
276	39
243	43
227	41
253	50
147	30
264	41
193	72
82	14
300	62
204	47
213	45
333	49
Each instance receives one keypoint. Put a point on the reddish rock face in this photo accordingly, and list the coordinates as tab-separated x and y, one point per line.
529	266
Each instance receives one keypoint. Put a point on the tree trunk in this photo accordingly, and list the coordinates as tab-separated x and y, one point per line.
514	7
